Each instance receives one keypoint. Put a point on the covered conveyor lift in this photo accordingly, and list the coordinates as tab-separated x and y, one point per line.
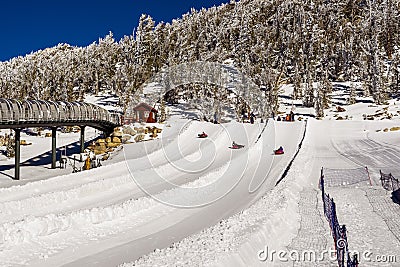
16	115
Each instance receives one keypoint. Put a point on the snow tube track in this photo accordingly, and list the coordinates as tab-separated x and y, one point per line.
50	196
368	152
294	157
107	216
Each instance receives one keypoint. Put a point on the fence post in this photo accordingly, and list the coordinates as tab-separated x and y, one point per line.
345	248
333	222
17	153
369	177
323	193
355	260
54	147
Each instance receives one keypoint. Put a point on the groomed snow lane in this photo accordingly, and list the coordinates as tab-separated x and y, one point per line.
140	222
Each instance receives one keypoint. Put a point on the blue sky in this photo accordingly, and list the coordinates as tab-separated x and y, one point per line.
30	25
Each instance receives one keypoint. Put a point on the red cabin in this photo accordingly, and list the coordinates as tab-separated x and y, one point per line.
144	113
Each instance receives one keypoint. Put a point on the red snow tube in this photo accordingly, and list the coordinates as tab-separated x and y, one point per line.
202	135
237	146
279	152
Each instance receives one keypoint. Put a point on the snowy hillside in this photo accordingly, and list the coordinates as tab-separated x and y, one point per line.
308	44
206	185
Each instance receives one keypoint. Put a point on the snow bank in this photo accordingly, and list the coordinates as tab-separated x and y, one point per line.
13	233
53	201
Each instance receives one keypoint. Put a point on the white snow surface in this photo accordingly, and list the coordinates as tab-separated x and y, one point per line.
145	207
96	210
273	220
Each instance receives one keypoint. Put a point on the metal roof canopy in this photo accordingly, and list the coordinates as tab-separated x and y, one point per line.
41	113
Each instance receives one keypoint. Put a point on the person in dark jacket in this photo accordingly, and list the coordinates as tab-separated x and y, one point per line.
252	116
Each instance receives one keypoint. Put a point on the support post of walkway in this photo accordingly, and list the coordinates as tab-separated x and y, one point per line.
82	139
53	147
17	152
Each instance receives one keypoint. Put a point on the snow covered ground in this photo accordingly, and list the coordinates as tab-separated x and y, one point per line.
180	200
274	220
89	211
36	157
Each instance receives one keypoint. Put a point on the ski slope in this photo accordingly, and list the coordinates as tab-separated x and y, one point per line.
194	201
163	191
274	220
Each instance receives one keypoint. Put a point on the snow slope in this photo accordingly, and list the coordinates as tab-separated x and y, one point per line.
328	144
191	201
106	215
274	220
